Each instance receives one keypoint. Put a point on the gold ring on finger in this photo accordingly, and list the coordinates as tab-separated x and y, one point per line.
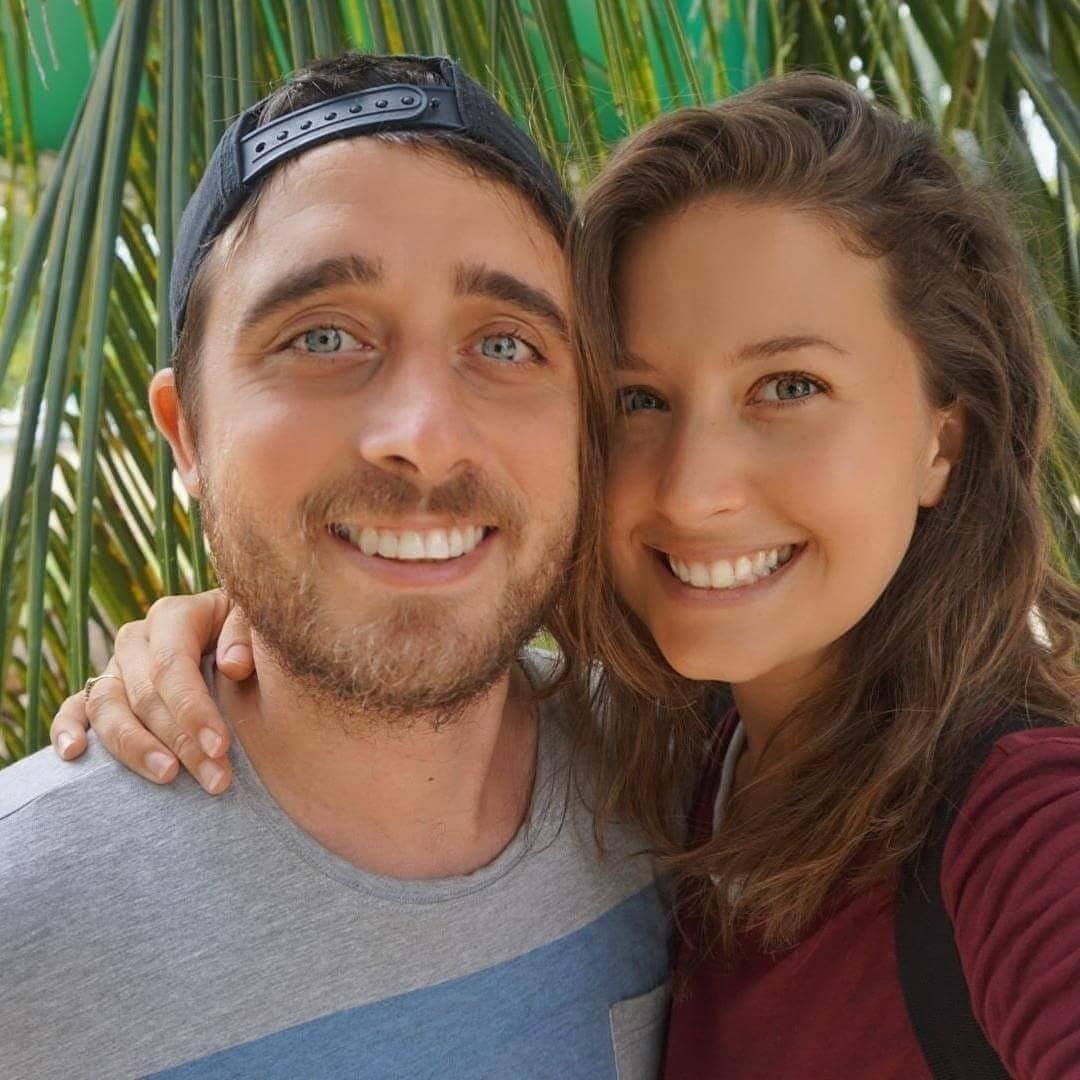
89	685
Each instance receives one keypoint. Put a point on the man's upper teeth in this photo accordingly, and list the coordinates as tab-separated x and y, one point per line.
410	545
731	573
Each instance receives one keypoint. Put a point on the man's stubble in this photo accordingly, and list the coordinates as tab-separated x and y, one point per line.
418	659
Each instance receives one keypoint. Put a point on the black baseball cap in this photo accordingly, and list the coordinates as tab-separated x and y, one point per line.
247	151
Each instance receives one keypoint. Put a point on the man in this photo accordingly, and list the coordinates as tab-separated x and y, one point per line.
374	398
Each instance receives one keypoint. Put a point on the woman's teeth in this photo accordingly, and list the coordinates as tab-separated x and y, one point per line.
728	574
412	545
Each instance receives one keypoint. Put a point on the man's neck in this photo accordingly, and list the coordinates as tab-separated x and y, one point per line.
409	801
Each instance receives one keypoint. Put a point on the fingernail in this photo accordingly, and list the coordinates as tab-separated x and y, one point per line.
64	743
159	763
238	654
211	776
211	742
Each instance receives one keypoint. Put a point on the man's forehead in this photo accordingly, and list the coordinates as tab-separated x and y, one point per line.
384	184
393	213
394	222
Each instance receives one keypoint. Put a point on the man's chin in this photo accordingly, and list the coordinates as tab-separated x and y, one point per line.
396	674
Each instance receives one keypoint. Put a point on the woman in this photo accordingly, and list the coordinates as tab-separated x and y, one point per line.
824	494
824	531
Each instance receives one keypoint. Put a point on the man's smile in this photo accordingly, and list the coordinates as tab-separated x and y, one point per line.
412	545
400	557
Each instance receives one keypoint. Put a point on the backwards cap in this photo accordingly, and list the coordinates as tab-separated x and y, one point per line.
246	153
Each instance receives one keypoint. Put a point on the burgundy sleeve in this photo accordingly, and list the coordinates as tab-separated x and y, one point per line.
1011	884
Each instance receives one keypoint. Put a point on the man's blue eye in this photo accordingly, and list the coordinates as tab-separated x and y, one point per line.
505	348
325	339
637	399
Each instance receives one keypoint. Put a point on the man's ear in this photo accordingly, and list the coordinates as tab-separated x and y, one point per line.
169	417
947	446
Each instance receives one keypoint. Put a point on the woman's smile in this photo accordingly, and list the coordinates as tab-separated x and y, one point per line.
730	574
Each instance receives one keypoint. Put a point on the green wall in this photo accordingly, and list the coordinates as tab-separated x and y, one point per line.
61	41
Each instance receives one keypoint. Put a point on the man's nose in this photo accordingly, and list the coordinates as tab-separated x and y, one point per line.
418	425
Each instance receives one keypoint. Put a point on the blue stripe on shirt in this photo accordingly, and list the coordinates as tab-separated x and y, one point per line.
542	1014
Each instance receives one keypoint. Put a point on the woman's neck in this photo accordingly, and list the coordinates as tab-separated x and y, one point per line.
764	704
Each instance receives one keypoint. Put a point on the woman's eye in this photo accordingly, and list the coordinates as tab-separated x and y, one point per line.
507	349
782	388
632	399
324	340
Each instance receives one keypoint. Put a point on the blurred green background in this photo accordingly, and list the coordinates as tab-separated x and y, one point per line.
108	109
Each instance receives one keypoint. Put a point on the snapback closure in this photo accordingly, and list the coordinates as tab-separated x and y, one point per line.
398	105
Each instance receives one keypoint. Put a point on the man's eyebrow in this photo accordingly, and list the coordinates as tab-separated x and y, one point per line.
299	284
477	280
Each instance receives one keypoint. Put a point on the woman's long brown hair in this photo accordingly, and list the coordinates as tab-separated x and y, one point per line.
950	644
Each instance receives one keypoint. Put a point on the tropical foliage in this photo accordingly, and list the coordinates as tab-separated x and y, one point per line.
93	527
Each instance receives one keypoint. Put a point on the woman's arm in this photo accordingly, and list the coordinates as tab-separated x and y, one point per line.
160	711
1011	883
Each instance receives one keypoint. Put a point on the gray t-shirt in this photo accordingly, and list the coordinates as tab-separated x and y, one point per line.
151	930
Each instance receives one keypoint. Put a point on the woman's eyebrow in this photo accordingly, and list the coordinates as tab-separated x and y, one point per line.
757	350
298	284
630	361
775	346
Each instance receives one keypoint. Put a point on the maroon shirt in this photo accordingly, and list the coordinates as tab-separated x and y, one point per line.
832	1006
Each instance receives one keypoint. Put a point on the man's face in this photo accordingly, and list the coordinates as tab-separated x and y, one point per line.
387	443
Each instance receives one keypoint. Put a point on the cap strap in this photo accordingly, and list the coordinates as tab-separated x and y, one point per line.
398	106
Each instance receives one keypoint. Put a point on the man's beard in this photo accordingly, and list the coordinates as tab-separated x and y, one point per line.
416	660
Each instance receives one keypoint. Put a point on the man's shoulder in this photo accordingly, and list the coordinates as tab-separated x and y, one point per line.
54	812
45	774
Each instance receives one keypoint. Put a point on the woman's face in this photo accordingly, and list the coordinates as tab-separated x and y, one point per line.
776	441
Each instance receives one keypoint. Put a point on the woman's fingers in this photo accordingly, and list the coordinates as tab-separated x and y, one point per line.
133	656
157	711
179	630
68	731
234	655
109	712
137	663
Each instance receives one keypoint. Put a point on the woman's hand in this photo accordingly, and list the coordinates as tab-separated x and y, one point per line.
159	710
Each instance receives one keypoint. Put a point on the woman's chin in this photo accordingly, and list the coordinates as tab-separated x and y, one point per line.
702	664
